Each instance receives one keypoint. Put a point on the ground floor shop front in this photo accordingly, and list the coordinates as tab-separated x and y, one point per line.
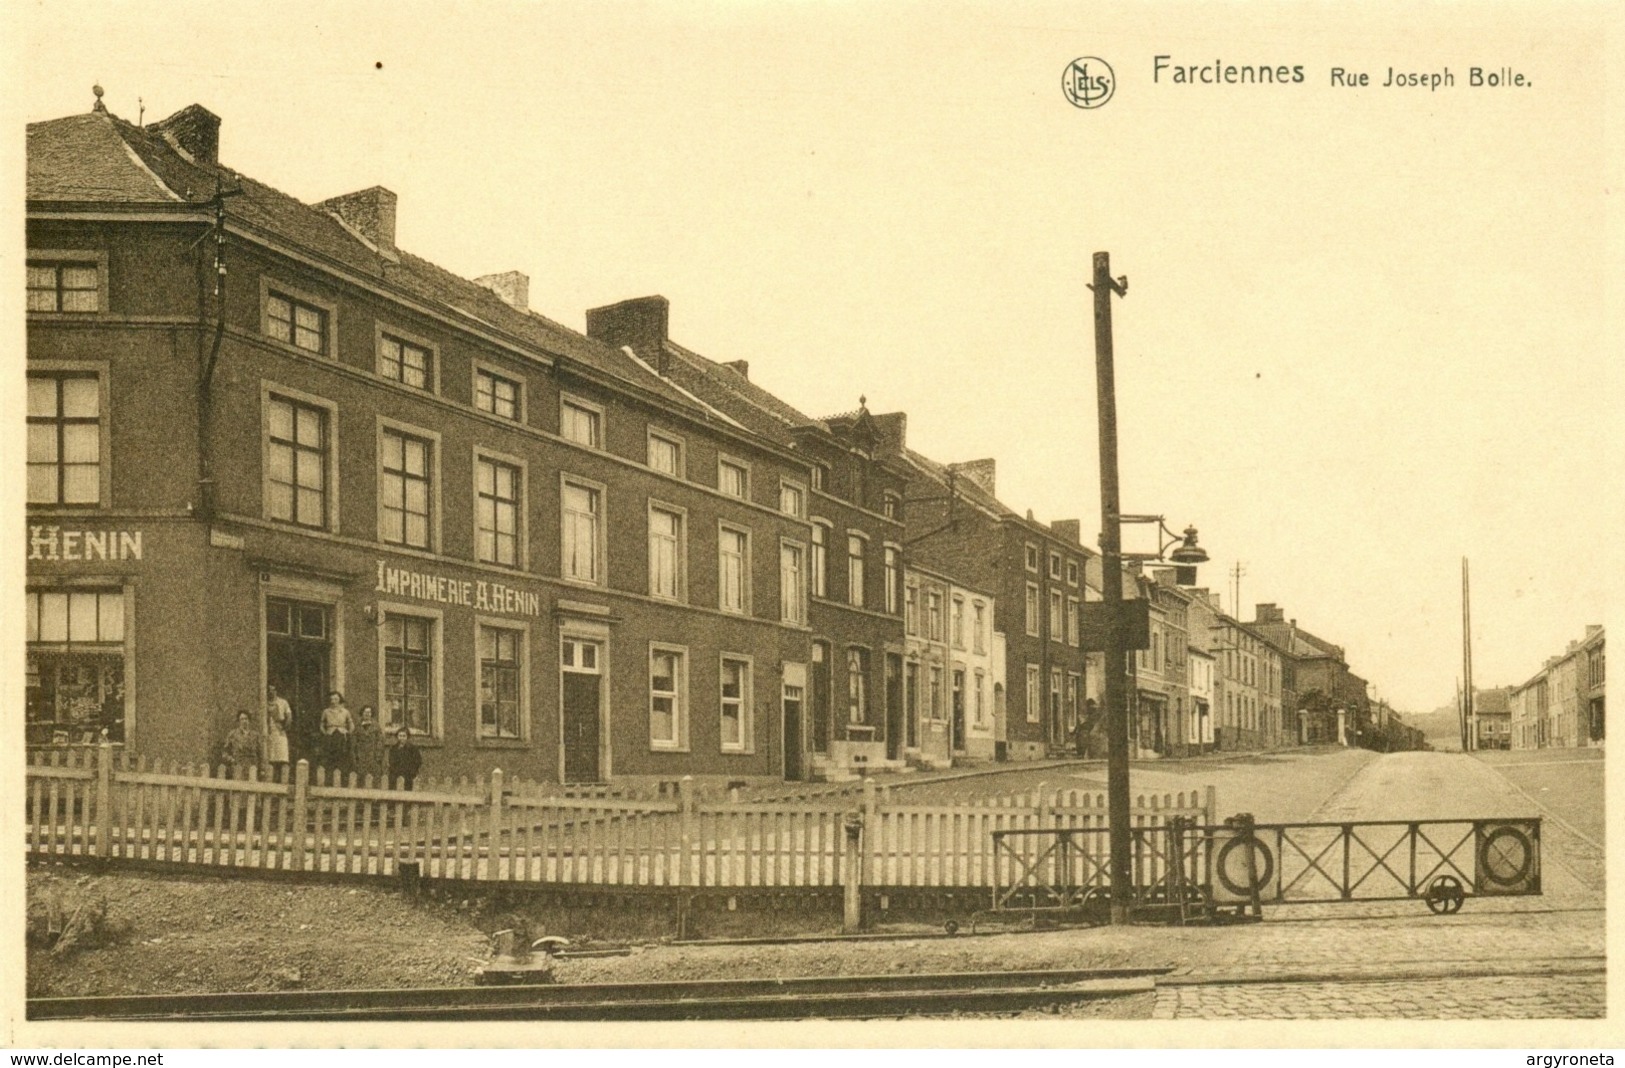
155	633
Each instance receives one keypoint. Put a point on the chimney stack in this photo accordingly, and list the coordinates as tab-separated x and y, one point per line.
980	472
512	286
194	131
1268	613
642	323
740	366
1068	530
370	213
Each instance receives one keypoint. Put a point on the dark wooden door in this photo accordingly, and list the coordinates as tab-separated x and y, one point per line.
894	707
793	742
582	694
298	662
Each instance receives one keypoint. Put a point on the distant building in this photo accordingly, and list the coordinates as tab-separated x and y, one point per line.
1492	718
1332	703
1563	705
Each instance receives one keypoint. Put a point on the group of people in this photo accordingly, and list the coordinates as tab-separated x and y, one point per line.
336	740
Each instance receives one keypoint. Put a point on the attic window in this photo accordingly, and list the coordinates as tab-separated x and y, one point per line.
296	323
65	284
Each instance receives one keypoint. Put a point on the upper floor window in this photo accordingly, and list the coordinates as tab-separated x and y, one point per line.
405	485
1055	566
933	615
666	454
497	511
665	553
958	623
64	438
405	362
1032	609
55	286
1056	626
855	548
911	609
581	512
733	479
792	499
820	560
496	394
296	322
1032	557
1071	572
893	506
820	476
581	423
733	569
1072	636
792	584
297	457
979	628
894	574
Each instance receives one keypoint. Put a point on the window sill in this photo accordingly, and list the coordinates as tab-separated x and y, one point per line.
502	743
653	748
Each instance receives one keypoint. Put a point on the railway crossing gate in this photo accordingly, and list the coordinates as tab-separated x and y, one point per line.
1186	872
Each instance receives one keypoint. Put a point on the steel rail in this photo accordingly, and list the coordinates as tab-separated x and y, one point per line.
790	998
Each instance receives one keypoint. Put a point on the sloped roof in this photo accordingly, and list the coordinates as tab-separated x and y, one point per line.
100	158
964	485
736	396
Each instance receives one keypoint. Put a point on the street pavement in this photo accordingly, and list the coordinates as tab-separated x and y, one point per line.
1519	957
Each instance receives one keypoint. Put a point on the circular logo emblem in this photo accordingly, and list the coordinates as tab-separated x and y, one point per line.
1231	866
1506	856
1088	82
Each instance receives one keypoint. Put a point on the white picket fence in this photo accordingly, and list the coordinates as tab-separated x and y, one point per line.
102	803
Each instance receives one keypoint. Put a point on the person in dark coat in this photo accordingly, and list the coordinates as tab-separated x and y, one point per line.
367	746
405	760
242	747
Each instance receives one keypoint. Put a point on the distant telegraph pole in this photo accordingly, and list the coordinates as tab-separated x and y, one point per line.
1468	719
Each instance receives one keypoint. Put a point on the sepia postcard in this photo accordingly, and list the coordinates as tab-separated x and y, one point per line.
545	524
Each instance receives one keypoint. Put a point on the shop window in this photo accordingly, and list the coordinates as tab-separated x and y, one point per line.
501	696
74	666
668	697
736	693
410	652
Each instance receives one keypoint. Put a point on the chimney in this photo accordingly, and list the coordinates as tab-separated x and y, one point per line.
1592	630
1068	530
194	131
641	323
979	472
512	286
1213	602
891	432
1268	613
741	366
370	213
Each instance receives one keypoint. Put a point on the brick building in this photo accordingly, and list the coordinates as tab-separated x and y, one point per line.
1037	576
1563	704
851	496
266	445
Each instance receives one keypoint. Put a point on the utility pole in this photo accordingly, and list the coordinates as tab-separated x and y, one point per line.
1236	571
1111	591
1468	717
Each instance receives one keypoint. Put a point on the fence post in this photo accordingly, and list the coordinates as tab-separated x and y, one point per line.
301	783
493	829
686	876
1210	805
104	800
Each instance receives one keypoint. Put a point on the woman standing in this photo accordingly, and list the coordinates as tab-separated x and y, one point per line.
337	727
277	716
405	760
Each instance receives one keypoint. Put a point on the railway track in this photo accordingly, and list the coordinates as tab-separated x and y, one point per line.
849	997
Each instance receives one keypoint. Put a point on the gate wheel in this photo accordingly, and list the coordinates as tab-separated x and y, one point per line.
1445	895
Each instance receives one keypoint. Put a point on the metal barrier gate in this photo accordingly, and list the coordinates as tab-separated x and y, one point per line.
1186	871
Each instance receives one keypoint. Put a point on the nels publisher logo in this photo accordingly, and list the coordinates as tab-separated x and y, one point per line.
1088	82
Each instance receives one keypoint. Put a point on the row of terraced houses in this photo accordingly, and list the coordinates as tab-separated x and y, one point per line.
268	447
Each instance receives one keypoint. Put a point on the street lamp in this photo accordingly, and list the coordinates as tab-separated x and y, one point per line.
1185	558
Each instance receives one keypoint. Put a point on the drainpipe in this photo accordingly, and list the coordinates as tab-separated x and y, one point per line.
205	398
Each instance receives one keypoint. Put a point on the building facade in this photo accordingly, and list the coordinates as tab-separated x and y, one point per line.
1036	576
270	448
851	498
950	686
1563	705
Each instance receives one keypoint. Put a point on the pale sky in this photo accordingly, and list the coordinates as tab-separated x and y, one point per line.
1364	334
